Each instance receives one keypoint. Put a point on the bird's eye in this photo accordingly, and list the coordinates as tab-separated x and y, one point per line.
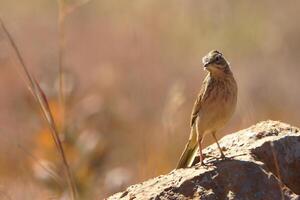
218	59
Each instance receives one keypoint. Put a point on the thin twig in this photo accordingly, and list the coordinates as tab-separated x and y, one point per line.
43	104
52	173
61	59
63	11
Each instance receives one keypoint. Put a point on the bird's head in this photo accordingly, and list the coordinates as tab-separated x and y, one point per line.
215	63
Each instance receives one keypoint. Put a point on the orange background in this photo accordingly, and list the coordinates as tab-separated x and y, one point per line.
137	64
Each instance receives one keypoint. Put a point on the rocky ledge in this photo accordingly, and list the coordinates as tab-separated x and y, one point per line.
263	164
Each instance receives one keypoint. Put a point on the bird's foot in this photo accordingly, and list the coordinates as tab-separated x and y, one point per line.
223	157
201	164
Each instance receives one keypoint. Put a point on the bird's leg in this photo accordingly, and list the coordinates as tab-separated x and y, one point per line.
214	136
200	138
200	150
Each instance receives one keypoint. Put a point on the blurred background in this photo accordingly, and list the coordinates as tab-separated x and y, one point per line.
132	70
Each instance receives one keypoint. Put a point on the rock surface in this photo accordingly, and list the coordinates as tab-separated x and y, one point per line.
263	164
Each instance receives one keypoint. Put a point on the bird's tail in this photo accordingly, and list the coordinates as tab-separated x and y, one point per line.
190	151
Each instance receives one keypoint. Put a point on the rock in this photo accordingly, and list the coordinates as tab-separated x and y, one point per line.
263	163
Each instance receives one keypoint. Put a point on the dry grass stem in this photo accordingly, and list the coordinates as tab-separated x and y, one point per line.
61	58
51	172
41	99
63	11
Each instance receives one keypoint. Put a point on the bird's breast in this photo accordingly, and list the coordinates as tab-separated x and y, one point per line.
219	103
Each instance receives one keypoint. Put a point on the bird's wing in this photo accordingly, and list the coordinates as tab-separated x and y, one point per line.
198	102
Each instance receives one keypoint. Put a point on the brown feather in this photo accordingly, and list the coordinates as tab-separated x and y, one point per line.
202	95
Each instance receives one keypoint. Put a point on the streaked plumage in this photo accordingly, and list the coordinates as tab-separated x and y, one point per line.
214	106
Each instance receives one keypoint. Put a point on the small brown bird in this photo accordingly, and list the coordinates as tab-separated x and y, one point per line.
213	108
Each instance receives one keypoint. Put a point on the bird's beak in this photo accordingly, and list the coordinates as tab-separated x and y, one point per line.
206	64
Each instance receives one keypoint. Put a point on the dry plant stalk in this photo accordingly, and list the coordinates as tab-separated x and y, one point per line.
54	176
63	11
61	59
41	99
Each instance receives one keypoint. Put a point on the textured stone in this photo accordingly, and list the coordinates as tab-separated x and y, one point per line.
263	164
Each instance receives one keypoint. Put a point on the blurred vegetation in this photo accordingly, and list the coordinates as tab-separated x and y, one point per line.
133	70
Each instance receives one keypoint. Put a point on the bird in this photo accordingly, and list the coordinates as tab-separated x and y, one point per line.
213	108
